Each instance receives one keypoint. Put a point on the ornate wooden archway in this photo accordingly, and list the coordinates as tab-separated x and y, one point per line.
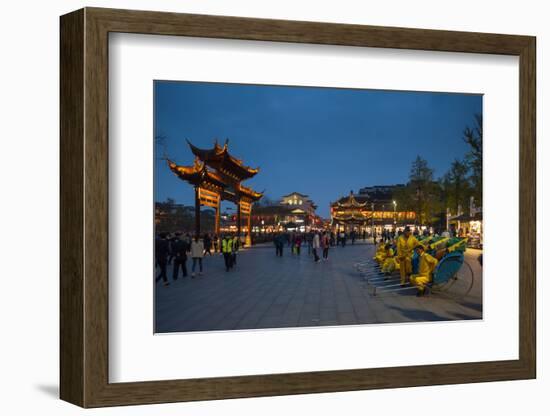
217	175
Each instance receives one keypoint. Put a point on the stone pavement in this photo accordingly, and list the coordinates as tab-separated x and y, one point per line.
265	291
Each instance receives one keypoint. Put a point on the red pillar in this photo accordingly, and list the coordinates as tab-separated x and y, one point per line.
239	218
197	212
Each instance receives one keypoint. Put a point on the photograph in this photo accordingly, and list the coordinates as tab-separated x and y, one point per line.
281	206
264	208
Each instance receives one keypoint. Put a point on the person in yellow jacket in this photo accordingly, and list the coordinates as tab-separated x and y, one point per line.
380	252
405	247
390	263
426	267
227	251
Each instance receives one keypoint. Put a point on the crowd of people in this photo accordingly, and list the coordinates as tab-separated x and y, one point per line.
413	254
397	249
175	249
317	242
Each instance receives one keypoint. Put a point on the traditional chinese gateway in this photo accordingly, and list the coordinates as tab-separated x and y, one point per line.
217	175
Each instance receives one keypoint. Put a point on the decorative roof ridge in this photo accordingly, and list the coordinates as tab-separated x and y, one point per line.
223	152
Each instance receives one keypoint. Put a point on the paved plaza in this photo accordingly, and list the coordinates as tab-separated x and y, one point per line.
265	291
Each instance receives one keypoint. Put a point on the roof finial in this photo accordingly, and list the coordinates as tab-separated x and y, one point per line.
197	163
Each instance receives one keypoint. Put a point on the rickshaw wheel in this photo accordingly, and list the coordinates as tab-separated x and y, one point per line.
459	285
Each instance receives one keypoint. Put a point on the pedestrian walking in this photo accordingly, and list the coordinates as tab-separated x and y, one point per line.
197	253
234	248
171	240
315	246
298	244
207	241
161	257
188	239
325	244
180	248
279	243
226	245
216	243
343	238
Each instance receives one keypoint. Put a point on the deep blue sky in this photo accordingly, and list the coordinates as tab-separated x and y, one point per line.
323	142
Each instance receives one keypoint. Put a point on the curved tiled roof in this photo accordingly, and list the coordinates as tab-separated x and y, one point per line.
219	158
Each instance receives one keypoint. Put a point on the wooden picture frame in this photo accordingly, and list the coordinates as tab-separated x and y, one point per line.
84	207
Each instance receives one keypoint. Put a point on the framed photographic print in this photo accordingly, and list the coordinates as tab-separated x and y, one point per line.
255	207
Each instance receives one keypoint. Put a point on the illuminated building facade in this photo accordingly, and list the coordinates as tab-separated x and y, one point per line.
299	201
372	208
294	212
467	224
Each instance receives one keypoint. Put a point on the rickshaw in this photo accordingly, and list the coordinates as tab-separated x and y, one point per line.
453	277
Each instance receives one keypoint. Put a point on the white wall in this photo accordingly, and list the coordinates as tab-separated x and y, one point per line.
29	212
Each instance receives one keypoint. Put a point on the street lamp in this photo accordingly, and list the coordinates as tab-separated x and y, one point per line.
394	212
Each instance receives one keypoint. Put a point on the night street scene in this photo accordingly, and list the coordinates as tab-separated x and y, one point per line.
288	206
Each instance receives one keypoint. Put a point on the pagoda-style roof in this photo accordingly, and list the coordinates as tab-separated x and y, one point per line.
220	159
350	218
349	202
197	174
250	193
